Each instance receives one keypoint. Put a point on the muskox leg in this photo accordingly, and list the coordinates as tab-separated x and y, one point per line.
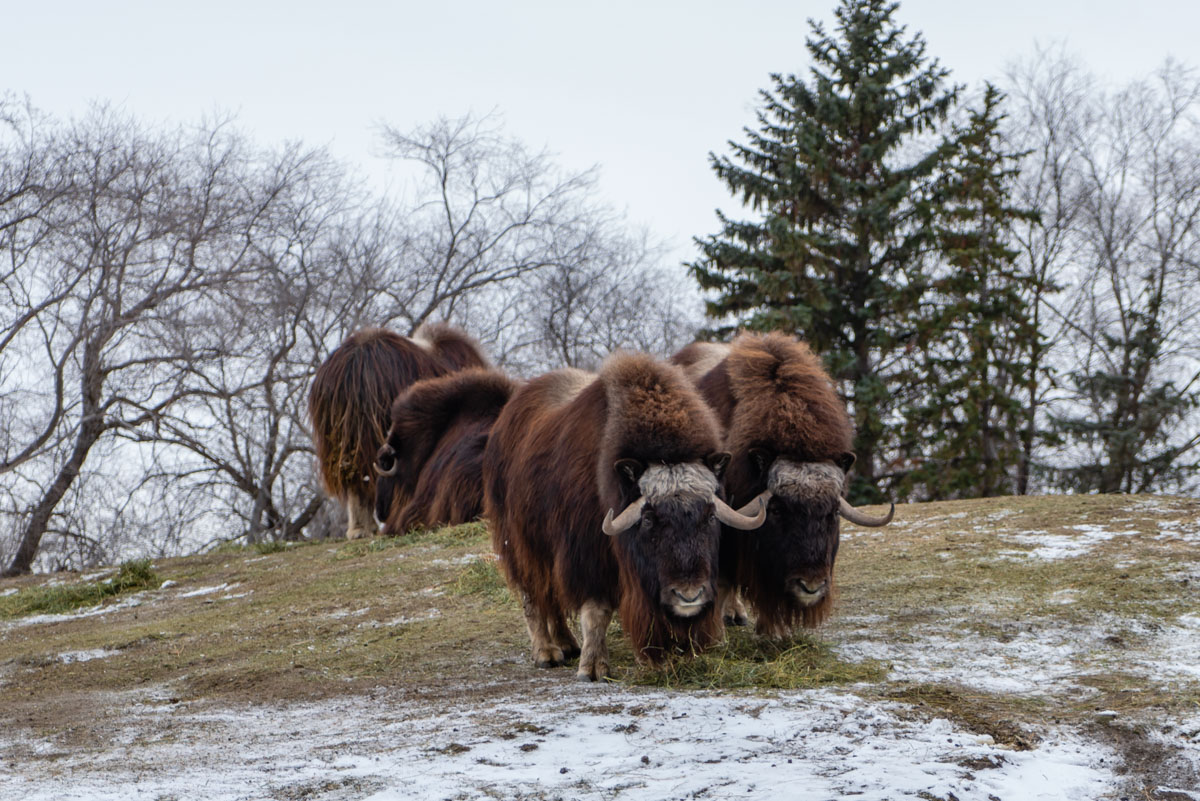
594	618
361	521
545	653
732	609
560	632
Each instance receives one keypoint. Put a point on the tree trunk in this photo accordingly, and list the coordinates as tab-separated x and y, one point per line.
31	539
91	426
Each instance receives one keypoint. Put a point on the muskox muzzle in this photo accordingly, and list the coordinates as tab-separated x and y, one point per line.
686	600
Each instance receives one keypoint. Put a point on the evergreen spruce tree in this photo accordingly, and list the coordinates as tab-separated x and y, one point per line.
840	172
1129	411
962	434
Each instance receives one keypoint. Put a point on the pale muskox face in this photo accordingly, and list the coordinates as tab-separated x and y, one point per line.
798	544
673	546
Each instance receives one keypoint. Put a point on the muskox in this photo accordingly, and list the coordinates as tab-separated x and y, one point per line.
790	441
603	493
351	398
431	464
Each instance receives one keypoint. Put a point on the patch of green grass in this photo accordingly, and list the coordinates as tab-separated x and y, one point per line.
270	546
745	660
483	577
357	548
474	533
131	577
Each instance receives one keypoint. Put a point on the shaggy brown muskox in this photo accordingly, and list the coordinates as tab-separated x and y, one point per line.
791	443
571	446
351	398
431	464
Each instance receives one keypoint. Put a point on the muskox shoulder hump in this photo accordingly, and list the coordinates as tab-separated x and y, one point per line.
785	398
454	347
563	386
699	358
654	409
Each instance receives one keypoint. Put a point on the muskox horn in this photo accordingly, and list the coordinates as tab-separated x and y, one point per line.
855	516
387	453
742	518
627	518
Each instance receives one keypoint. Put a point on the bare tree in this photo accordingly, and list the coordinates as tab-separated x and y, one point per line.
1048	97
171	294
616	294
1130	344
485	211
243	432
155	222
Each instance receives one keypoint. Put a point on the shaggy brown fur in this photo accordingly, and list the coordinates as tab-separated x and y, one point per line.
777	406
561	455
352	395
439	429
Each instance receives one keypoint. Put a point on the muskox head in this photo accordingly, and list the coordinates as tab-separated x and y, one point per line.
793	552
670	531
386	483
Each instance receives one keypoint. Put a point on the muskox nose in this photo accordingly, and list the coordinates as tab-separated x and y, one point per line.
809	590
687	599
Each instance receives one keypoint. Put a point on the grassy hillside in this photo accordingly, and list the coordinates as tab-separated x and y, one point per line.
1007	617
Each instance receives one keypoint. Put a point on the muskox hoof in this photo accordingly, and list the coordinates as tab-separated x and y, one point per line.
597	672
570	653
549	658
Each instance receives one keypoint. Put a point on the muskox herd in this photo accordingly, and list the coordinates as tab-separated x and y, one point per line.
660	491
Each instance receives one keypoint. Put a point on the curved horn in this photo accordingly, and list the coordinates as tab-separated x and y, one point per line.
742	518
627	518
855	516
380	469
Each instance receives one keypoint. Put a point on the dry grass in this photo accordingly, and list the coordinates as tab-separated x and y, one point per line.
744	661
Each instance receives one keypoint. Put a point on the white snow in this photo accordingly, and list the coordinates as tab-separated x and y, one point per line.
580	742
91	611
67	657
1063	546
207	590
1028	664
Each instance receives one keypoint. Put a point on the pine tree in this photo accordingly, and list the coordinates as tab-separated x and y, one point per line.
963	432
1124	428
840	173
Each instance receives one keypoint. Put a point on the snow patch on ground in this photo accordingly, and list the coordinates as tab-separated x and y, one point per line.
587	743
1179	530
1028	664
207	590
1174	652
67	657
1063	546
461	560
91	611
97	575
339	614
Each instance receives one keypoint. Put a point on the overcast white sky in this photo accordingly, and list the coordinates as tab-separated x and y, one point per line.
643	89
